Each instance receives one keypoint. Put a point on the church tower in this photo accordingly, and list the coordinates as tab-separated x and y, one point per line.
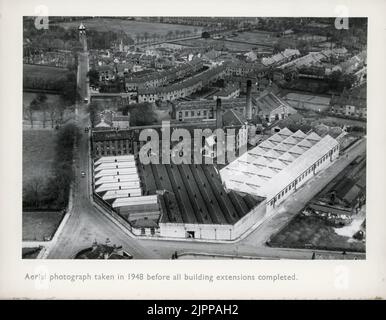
82	36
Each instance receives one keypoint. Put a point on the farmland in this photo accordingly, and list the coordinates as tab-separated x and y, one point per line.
129	27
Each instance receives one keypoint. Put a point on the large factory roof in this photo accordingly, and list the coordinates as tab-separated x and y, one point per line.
275	162
211	104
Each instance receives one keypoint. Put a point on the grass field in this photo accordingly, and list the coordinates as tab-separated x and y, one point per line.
217	44
129	27
265	38
314	233
30	253
29	96
38	226
38	154
45	72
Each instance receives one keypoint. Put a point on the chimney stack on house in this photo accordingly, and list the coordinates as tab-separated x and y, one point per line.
248	106
219	122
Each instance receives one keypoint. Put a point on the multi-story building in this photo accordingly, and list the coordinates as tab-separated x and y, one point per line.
229	92
181	89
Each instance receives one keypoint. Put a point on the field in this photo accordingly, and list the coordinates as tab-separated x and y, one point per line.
38	155
314	233
45	72
129	27
265	38
30	253
217	44
40	226
29	96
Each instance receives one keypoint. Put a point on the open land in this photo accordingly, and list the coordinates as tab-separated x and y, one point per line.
48	73
40	225
38	154
129	27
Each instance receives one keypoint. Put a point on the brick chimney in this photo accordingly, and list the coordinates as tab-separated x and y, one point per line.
219	122
248	104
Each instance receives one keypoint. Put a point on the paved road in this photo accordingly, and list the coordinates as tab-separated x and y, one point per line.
87	224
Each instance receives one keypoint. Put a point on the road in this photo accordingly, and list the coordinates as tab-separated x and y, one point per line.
86	223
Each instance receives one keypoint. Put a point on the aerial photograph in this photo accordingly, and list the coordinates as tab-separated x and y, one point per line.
189	137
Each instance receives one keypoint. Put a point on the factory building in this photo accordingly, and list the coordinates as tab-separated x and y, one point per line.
279	165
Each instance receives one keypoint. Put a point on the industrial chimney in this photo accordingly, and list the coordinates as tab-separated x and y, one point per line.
219	122
248	105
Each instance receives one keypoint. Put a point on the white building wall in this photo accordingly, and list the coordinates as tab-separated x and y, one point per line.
201	231
323	166
255	216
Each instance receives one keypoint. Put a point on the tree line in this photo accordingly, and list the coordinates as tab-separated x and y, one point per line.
54	193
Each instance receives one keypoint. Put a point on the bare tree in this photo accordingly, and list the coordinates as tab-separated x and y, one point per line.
28	111
53	113
44	107
34	189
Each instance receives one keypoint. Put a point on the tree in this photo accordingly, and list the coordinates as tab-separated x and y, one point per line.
169	34
141	114
205	35
58	44
33	192
93	108
28	111
53	113
44	107
69	89
93	76
146	36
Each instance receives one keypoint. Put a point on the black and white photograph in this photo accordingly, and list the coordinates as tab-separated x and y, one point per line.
187	137
179	152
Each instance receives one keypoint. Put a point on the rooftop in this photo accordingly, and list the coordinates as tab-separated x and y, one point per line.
271	165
